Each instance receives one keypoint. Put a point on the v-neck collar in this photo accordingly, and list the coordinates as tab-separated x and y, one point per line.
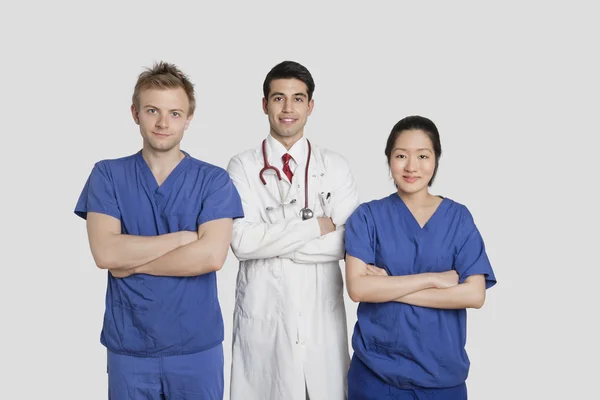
171	178
412	221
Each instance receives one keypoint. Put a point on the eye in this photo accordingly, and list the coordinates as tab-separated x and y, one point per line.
152	111
277	98
175	114
423	156
400	156
299	99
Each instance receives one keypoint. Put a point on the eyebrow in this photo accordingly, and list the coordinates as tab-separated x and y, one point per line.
158	108
282	94
421	149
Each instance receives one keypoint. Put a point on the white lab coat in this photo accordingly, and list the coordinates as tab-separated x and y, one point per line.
289	325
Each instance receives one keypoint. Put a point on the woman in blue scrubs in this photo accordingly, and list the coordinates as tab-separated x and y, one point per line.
415	262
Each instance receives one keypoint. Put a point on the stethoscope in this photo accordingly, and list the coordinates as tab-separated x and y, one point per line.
305	213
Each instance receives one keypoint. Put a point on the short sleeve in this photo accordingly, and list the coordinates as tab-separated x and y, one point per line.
222	199
472	258
360	235
98	194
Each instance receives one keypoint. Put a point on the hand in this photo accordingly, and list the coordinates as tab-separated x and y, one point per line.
188	237
376	271
121	273
326	224
444	280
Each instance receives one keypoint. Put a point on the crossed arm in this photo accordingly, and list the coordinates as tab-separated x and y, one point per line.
367	283
175	254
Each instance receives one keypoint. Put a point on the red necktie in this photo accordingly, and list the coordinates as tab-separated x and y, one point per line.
286	166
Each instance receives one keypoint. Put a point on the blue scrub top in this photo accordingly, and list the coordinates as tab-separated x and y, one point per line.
155	316
409	346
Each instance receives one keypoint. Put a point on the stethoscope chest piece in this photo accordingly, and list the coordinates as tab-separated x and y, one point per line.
306	213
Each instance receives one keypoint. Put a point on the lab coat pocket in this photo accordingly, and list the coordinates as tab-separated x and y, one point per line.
276	212
324	207
258	293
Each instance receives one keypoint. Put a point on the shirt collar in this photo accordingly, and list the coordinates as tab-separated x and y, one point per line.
276	150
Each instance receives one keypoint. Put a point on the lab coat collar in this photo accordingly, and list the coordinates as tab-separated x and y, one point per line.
276	150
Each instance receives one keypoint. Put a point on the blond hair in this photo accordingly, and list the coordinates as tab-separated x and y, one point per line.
163	75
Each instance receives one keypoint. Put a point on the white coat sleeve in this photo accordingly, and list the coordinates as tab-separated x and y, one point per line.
344	200
252	237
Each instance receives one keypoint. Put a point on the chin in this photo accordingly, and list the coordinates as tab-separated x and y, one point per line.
409	189
162	146
288	134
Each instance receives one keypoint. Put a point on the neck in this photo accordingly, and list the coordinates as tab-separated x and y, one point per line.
416	199
159	161
286	141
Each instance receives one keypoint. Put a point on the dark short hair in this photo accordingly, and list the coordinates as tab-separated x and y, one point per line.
418	123
289	70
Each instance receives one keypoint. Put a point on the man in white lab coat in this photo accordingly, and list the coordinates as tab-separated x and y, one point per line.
289	328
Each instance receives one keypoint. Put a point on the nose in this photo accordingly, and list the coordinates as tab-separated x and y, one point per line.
412	164
162	121
287	106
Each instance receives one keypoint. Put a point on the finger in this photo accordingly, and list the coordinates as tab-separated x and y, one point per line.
381	271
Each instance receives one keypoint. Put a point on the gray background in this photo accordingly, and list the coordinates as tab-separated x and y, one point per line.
512	88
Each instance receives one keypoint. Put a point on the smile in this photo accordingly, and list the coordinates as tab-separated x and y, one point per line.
410	179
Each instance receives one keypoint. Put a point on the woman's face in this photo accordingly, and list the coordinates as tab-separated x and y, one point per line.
412	161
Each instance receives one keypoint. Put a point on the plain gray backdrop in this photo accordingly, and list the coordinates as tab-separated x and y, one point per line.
513	89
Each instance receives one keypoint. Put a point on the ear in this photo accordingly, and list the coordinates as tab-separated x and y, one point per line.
264	104
135	114
187	122
311	104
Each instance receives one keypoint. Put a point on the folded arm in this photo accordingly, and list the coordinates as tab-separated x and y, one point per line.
259	240
327	248
207	254
470	294
364	286
113	250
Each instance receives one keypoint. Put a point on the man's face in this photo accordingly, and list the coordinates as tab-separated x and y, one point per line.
162	116
288	108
